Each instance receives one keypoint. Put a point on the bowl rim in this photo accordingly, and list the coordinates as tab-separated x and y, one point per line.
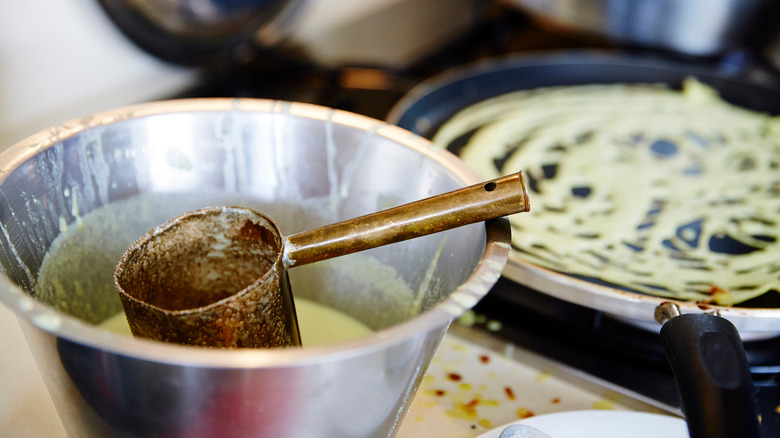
33	314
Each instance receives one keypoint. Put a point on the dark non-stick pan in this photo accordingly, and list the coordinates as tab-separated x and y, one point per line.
705	351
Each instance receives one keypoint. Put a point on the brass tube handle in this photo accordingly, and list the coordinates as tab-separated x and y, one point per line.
477	203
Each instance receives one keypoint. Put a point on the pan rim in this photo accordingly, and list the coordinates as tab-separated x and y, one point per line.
539	58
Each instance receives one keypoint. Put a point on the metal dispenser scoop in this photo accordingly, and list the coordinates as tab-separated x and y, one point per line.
218	276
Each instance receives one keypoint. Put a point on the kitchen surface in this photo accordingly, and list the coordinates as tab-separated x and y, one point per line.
475	383
523	352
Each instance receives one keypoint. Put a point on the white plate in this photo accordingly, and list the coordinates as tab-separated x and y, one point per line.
603	424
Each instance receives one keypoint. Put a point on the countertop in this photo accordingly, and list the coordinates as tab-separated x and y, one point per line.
474	383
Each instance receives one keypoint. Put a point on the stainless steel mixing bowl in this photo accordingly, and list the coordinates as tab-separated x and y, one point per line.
303	164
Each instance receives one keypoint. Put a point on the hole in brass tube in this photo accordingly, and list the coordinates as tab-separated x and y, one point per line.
490	186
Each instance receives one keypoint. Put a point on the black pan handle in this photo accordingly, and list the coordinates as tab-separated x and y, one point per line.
713	378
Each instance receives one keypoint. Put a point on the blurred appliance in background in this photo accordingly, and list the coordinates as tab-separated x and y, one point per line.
63	60
391	33
694	27
202	31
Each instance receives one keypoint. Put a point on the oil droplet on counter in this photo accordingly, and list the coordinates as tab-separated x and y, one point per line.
460	348
455	377
465	411
524	413
603	404
510	394
543	376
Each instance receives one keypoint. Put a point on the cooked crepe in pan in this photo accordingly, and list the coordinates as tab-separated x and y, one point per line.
674	193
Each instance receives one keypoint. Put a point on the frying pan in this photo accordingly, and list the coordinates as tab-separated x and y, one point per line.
705	351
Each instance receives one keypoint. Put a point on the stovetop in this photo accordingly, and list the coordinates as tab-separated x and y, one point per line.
612	351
